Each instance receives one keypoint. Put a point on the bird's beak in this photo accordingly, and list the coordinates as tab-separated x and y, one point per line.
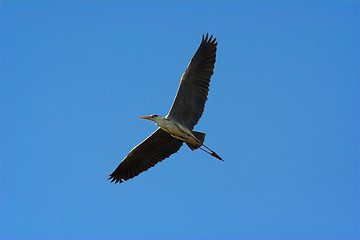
146	117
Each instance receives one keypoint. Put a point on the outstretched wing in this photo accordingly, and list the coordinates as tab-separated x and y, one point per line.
152	150
192	94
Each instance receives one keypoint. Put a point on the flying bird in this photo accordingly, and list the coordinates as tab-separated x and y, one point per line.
177	126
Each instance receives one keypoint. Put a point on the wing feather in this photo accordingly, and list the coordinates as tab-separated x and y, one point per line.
190	99
154	149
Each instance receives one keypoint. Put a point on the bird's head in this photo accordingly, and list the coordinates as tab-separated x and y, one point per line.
153	117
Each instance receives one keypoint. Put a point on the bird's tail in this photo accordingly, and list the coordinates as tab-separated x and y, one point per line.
200	136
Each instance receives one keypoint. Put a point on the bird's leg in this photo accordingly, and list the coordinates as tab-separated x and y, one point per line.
205	150
212	153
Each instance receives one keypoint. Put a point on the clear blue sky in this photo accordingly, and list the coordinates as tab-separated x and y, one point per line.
283	112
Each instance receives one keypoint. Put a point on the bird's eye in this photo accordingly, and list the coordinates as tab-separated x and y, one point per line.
154	115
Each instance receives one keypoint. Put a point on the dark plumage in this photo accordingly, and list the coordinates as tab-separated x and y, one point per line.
154	149
194	86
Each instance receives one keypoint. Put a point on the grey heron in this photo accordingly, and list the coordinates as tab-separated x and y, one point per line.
177	126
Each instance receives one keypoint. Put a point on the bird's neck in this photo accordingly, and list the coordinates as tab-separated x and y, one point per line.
161	121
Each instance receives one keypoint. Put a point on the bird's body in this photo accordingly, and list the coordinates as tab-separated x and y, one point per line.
175	129
177	126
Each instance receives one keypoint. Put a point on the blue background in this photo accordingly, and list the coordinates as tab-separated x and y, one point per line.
283	112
